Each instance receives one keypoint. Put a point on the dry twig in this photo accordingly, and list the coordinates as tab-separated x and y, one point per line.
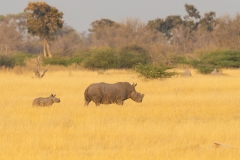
217	144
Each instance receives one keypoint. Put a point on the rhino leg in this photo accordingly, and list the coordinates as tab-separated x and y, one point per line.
97	103
119	102
86	103
97	100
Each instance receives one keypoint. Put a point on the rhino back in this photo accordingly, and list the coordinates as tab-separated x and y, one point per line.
109	92
42	102
124	88
92	90
127	87
35	102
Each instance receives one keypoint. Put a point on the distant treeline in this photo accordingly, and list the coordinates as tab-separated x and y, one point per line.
200	41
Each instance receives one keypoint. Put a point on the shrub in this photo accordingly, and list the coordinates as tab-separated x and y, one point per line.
20	58
217	59
100	58
150	71
76	60
7	61
204	68
64	61
17	59
179	60
132	55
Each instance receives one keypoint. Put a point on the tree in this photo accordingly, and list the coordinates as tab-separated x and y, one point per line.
172	22
189	27
192	12
10	39
165	25
19	20
104	32
158	24
43	21
192	17
227	33
100	24
208	22
130	31
206	26
1	17
67	41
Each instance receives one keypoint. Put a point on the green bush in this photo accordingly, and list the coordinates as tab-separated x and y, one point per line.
10	61
64	61
205	68
76	60
6	61
100	58
132	55
217	59
179	60
222	59
150	71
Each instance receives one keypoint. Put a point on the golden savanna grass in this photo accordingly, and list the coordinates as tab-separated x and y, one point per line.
179	118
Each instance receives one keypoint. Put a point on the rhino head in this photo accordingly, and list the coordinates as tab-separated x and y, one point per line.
54	98
136	96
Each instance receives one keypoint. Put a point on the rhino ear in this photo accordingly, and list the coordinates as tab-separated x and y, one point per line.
53	95
134	84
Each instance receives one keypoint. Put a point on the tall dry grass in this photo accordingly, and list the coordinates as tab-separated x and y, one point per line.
179	118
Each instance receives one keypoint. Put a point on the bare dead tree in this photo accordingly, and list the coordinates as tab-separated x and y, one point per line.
37	73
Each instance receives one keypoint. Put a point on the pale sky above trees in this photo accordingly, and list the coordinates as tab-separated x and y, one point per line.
80	13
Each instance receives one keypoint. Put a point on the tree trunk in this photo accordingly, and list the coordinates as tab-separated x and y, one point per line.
44	50
47	49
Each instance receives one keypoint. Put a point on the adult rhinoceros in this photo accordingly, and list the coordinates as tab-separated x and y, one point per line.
103	93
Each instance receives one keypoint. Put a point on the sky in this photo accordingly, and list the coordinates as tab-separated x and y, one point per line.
79	14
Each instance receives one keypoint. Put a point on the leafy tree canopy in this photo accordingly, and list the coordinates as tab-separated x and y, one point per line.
208	22
192	12
2	17
43	20
165	25
192	17
99	24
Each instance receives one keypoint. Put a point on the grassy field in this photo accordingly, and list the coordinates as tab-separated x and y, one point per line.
179	118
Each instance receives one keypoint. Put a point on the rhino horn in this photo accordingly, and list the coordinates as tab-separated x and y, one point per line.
134	85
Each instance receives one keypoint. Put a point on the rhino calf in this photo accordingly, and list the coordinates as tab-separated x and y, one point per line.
48	101
103	93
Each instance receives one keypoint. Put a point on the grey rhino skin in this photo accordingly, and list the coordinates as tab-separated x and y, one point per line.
103	93
42	102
